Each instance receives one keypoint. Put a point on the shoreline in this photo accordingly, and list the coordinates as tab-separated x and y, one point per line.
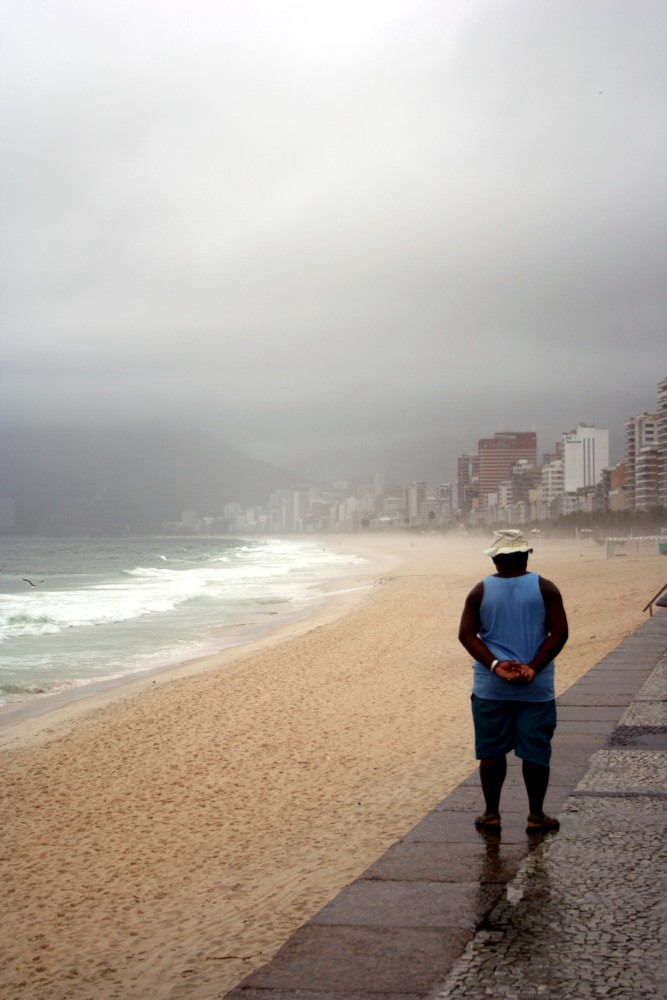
168	841
29	717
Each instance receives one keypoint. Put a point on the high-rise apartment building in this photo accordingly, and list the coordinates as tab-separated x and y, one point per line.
499	454
662	442
585	454
467	483
552	485
445	502
614	486
646	479
641	461
415	497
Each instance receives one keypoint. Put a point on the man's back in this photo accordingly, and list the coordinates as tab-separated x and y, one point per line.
512	624
512	615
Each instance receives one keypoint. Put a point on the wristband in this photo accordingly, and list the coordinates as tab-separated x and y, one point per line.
493	666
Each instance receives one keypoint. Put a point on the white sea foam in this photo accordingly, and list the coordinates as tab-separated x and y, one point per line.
111	607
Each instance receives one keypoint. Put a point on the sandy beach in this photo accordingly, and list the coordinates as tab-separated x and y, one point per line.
163	838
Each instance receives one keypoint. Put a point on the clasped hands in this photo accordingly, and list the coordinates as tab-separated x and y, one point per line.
513	671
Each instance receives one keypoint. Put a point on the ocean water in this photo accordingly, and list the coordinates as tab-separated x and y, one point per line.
74	611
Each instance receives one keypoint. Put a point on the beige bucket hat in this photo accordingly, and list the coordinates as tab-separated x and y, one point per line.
506	541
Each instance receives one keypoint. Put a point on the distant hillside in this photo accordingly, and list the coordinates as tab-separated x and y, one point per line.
101	481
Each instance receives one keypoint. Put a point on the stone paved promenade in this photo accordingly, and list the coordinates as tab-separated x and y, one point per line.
450	913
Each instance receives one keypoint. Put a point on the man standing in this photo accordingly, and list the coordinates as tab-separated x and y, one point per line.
513	625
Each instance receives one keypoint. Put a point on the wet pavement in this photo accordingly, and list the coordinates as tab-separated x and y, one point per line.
448	912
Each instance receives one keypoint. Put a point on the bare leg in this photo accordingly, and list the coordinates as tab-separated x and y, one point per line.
492	772
536	780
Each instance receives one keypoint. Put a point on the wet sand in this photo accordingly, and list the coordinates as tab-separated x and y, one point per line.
163	838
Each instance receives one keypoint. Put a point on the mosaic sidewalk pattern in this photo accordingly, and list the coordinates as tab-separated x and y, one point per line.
586	915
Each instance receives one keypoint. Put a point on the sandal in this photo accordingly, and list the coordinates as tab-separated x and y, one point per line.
542	824
488	821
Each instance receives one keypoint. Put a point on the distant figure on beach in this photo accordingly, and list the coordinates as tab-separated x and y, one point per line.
513	625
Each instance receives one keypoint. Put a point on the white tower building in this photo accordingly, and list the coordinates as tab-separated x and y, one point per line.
585	454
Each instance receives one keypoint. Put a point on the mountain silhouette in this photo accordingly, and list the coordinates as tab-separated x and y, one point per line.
68	481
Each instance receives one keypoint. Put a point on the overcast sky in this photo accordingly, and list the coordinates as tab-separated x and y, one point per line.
341	235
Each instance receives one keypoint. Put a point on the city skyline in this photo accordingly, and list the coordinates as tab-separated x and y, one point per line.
576	477
505	482
133	481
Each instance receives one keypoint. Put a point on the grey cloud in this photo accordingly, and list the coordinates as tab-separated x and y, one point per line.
333	230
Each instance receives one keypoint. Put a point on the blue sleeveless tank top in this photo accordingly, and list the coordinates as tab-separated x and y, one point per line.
512	625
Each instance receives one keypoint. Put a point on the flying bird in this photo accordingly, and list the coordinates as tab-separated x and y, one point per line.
26	580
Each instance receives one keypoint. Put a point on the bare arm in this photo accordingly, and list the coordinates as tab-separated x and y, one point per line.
469	627
470	640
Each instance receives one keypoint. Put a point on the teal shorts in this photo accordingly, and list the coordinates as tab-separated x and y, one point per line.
526	727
